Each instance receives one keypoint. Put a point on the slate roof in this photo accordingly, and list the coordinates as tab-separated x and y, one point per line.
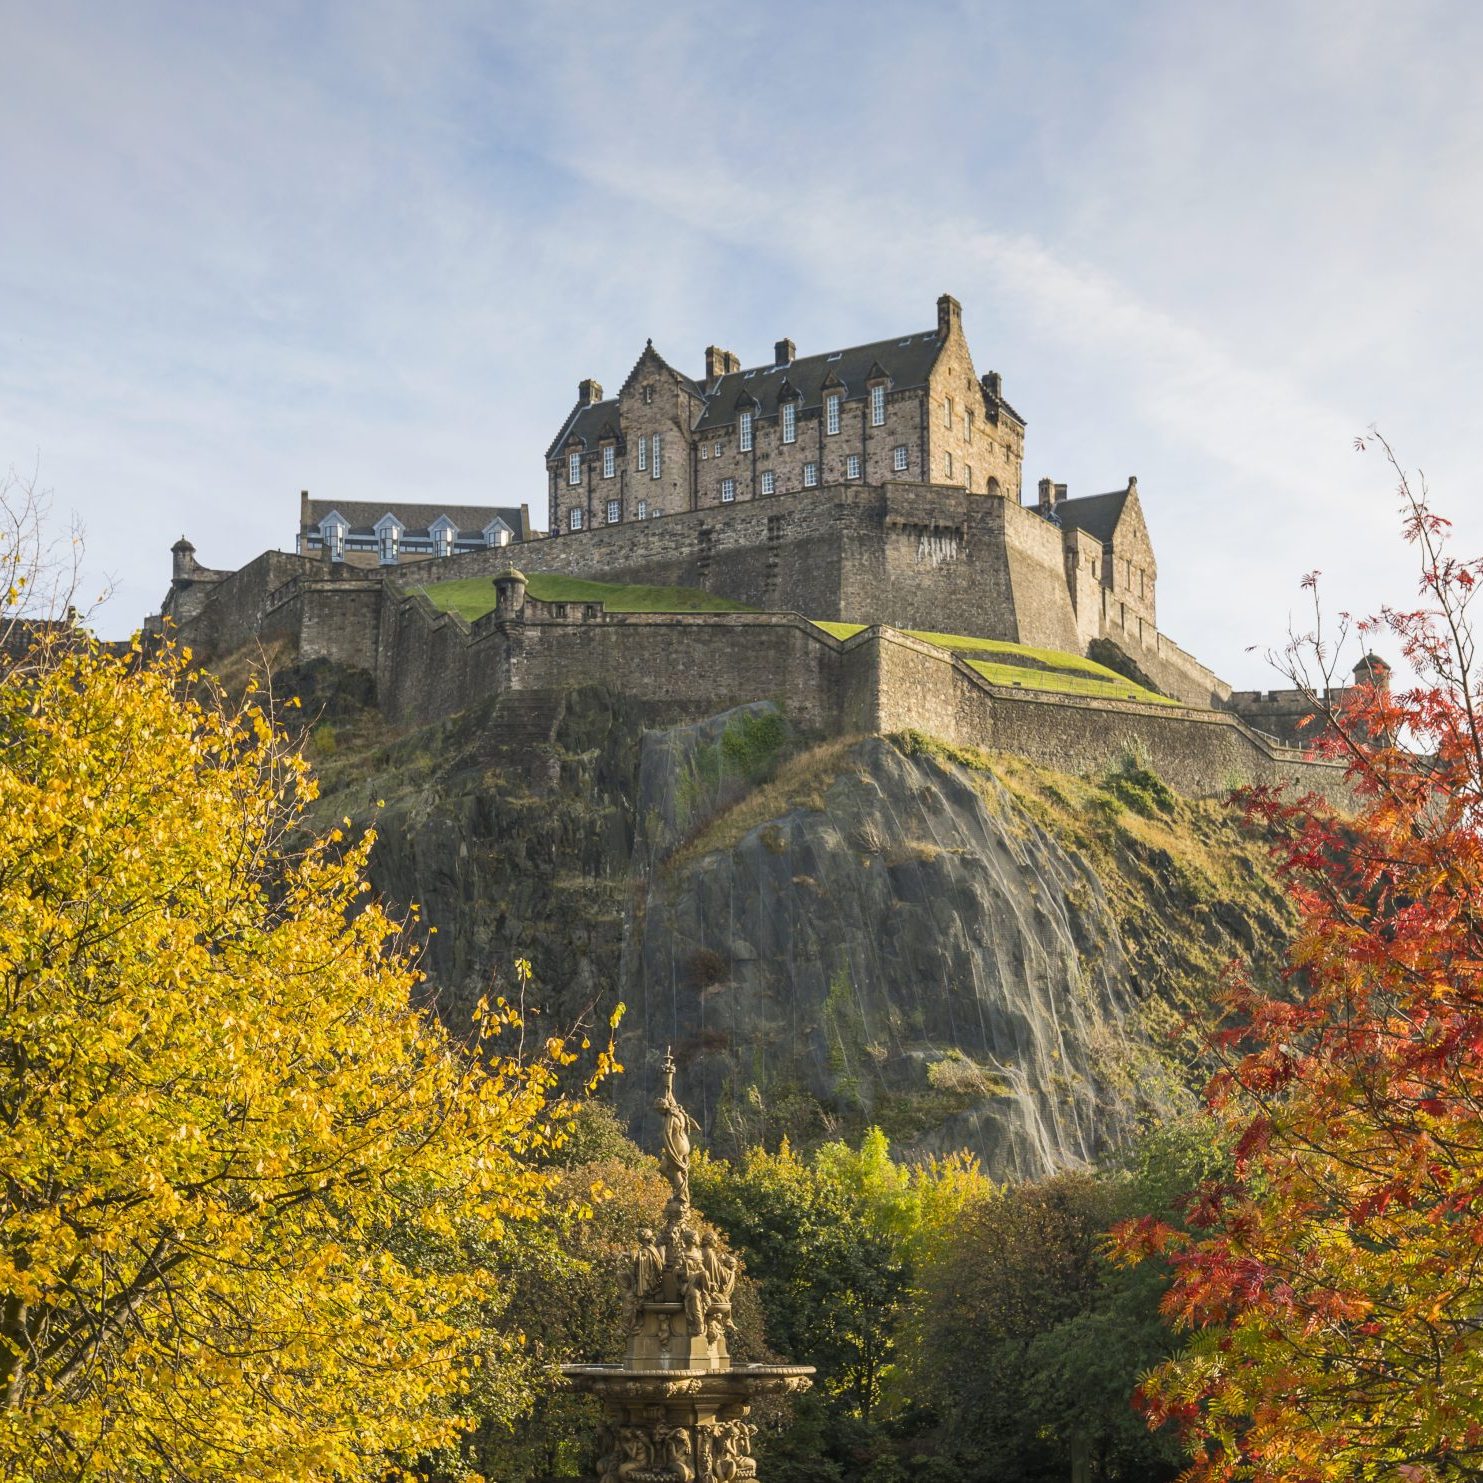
587	423
906	359
1097	514
417	519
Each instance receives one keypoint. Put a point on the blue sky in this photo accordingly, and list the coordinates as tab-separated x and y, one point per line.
369	250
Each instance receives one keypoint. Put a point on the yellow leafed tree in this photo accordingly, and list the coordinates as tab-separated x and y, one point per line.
237	1167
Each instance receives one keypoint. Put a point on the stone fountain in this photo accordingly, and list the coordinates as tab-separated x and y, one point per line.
675	1410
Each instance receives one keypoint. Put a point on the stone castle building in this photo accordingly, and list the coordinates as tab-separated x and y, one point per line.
908	408
878	485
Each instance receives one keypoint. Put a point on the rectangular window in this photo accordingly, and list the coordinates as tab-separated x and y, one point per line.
728	491
654	457
790	422
643	454
705	450
968	426
769	482
643	509
947	412
852	466
947	464
831	414
609	461
898	458
877	406
718	447
574	468
615	511
810	475
744	432
574	518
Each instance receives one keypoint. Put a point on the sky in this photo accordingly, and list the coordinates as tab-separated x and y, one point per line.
369	249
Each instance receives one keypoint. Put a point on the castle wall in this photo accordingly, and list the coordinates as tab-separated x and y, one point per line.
240	607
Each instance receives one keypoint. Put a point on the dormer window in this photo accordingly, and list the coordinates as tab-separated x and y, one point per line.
574	468
877	406
443	532
388	539
332	532
497	533
831	413
744	432
790	422
609	461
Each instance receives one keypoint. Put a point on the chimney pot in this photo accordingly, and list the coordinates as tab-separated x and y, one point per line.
783	353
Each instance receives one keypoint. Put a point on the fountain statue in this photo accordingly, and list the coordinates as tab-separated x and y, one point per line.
675	1410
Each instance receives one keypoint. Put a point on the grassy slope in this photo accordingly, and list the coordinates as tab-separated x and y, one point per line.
1000	663
473	597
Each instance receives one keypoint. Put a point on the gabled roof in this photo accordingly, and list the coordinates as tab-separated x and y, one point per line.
418	519
1097	514
906	359
648	353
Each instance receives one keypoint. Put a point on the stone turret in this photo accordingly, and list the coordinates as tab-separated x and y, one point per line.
509	594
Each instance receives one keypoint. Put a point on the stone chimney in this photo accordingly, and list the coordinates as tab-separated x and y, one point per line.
993	385
783	353
1051	494
949	316
1132	483
589	392
719	363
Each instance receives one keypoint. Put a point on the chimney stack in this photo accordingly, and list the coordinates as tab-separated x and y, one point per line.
589	393
949	316
993	384
719	363
783	353
1051	494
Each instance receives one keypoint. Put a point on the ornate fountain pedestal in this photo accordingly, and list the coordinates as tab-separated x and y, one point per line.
675	1410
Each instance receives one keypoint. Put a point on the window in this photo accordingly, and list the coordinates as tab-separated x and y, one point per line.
947	412
643	509
769	482
648	395
810	475
574	468
574	518
643	454
728	491
898	458
744	432
443	537
609	461
877	406
654	456
705	450
831	414
968	426
790	422
852	466
615	511
388	536
947	464
718	447
334	538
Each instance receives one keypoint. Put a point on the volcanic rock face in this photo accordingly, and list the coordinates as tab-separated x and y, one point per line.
970	952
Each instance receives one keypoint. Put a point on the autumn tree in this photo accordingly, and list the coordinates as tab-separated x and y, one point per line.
248	1192
1334	1296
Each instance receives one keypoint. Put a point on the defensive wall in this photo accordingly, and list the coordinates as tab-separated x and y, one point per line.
924	556
428	663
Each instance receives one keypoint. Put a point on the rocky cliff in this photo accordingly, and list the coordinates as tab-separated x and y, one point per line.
966	950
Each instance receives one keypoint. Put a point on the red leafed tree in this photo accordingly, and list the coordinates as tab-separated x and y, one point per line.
1332	1286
